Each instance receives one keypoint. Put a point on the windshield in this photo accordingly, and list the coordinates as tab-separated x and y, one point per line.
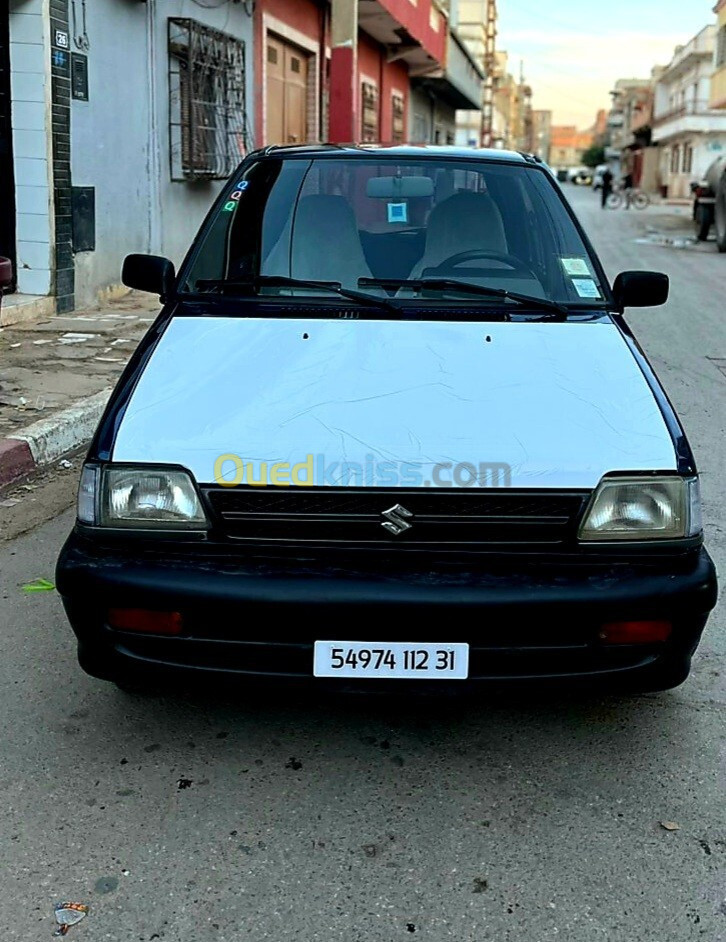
350	221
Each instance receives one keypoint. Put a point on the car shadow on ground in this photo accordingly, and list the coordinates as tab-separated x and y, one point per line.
539	728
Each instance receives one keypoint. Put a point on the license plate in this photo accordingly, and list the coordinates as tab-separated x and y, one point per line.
402	660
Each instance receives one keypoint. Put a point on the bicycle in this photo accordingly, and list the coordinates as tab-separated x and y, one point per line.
630	197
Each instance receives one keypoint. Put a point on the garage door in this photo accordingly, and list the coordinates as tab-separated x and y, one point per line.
287	93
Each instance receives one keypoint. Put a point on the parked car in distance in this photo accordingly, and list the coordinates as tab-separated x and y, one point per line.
709	203
390	428
580	176
562	175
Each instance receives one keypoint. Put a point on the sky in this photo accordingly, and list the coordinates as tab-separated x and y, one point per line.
574	50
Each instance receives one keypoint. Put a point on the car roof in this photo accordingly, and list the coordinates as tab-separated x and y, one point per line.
424	151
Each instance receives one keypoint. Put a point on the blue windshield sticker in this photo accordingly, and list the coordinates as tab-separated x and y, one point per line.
398	212
586	287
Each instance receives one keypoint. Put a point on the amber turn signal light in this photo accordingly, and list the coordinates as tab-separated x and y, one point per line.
145	621
635	632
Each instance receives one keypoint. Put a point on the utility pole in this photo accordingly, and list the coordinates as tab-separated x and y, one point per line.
344	125
490	64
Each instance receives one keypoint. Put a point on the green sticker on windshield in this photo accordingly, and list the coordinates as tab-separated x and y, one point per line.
229	207
575	266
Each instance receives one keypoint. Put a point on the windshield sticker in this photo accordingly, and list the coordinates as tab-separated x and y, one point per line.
235	196
575	266
586	287
398	212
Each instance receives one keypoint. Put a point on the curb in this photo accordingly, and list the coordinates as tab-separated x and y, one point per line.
45	441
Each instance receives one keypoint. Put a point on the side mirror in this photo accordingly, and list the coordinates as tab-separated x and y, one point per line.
150	273
6	272
640	289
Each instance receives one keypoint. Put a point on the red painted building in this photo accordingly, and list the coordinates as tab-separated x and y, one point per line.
292	46
308	89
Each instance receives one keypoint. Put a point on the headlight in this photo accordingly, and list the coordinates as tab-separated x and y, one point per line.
665	508
140	498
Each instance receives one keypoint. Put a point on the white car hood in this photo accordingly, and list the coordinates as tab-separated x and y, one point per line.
562	404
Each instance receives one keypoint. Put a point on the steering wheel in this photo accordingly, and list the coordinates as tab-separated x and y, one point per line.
453	261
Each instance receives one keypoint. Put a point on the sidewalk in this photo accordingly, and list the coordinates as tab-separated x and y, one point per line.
56	375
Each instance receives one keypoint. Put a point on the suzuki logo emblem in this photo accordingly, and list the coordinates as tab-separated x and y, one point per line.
395	521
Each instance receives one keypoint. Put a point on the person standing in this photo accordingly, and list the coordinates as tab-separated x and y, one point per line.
607	186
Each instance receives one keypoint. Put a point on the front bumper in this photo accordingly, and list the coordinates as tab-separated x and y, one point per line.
259	618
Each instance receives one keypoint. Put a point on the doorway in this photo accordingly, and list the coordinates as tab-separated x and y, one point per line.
7	174
287	93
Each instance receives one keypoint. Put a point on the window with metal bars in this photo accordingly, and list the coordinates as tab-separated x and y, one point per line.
208	128
369	112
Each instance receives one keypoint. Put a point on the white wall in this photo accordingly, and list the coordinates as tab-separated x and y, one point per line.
30	93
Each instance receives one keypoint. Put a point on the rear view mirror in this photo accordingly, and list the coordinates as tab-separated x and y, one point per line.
150	273
640	289
392	188
6	272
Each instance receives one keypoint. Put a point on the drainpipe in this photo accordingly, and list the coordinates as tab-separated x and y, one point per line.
344	71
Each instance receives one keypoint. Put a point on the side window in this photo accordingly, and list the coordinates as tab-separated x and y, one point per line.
250	224
559	234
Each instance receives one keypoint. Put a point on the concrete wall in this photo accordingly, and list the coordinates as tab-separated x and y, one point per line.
30	92
120	136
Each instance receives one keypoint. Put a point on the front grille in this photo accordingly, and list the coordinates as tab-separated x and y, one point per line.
354	516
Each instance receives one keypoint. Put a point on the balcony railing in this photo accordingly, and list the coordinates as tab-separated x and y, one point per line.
693	107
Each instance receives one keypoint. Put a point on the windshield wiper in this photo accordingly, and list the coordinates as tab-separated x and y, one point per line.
466	287
281	281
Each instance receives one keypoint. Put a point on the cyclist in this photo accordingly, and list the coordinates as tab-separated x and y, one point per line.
627	183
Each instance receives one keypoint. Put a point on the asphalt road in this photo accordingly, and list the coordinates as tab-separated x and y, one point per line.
196	817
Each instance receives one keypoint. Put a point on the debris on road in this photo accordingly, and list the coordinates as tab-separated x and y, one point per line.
69	914
39	585
670	826
671	242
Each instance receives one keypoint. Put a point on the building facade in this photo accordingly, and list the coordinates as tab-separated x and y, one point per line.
542	134
567	145
690	133
125	120
120	120
718	79
629	146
